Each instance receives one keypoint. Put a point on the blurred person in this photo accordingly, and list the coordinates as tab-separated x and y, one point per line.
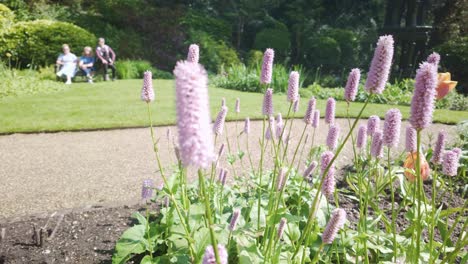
86	63
106	56
66	63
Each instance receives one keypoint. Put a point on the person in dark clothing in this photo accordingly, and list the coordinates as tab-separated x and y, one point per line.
106	56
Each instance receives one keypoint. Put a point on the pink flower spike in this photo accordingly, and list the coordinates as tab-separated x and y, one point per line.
296	105
373	124
410	143
193	115
336	223
377	145
210	258
147	92
352	85
193	53
439	148
223	102
234	219
361	141
330	111
218	126
281	227
422	103
308	172
332	137
316	119
392	126
268	102
450	164
434	58
267	66
380	66
271	130
293	87
247	126
309	114
279	125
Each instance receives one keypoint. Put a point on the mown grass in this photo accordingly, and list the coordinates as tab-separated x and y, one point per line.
117	105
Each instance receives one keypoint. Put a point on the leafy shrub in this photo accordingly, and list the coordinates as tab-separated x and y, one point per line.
216	28
254	58
134	69
454	59
276	37
16	82
39	42
6	18
243	78
214	53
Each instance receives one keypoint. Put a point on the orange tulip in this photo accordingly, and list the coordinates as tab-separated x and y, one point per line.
409	167
445	85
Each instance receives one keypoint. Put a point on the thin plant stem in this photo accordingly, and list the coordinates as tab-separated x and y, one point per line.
390	176
260	173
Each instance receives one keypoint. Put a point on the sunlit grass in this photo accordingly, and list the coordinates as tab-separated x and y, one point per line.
117	105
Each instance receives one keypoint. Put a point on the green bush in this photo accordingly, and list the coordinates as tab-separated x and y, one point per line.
134	69
276	37
454	55
243	78
214	54
39	42
7	18
16	82
216	28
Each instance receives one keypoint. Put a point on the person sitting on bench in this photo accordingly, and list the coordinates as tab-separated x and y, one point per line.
66	63
106	56
86	63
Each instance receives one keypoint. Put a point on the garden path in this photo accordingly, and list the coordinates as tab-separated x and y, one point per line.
54	171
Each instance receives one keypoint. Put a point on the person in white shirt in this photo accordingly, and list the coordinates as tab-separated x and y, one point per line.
66	64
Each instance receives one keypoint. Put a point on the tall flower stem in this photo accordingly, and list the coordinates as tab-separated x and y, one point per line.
183	220
206	198
260	173
352	137
313	208
418	194
390	176
433	210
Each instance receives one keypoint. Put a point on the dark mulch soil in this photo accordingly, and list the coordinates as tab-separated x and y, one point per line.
84	236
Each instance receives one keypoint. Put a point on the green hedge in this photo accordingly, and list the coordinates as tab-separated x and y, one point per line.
277	38
454	59
39	42
134	69
7	18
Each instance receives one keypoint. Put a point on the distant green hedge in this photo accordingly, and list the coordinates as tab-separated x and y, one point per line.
7	18
39	42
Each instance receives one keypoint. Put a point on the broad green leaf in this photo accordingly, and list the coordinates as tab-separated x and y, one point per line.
140	218
131	242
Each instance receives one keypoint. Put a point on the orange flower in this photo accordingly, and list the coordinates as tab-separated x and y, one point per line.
445	85
409	167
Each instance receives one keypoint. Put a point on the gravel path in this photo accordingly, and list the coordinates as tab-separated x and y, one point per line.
54	171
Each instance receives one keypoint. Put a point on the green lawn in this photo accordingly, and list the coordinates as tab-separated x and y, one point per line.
117	105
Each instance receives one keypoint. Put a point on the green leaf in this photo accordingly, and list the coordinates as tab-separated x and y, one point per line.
202	238
147	260
140	218
131	242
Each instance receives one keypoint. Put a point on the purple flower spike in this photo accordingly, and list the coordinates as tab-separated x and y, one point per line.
392	126
247	126
296	105
224	179
332	137
218	126
147	92
458	151
336	223
267	66
234	219
410	143
147	189
279	125
377	145
309	115
450	164
380	66
361	141
210	258
352	85
293	87
316	119
373	124
193	115
221	174
330	111
237	105
308	172
439	148
193	53
422	103
434	58
328	186
281	227
223	102
268	102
